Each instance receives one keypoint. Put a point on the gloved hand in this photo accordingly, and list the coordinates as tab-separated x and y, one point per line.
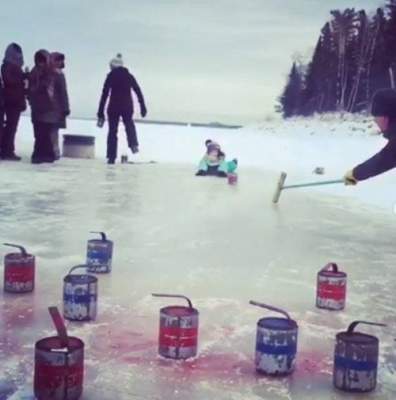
349	179
143	111
66	113
100	122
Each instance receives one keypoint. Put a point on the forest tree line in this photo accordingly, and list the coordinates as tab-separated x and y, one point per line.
354	57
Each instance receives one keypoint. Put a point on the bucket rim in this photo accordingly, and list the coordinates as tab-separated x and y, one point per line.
15	256
190	311
348	337
289	324
53	344
87	278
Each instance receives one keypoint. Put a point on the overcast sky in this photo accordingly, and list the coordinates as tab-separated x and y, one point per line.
201	60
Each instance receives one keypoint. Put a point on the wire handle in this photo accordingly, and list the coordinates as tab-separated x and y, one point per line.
262	305
104	237
21	248
333	267
177	296
77	267
59	325
355	323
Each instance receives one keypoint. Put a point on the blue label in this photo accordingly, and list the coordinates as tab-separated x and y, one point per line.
79	298
356	365
276	350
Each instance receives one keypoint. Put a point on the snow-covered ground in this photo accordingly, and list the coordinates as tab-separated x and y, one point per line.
219	244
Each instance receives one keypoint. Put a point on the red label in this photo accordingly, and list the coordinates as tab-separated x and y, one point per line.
16	274
178	337
332	292
50	376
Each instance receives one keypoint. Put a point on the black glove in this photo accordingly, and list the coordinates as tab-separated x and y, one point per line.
201	173
143	110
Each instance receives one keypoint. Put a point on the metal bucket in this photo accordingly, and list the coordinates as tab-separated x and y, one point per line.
356	360
232	178
331	288
19	271
80	295
178	331
59	371
276	343
99	254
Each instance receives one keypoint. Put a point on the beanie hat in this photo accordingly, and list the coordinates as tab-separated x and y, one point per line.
384	103
213	147
117	61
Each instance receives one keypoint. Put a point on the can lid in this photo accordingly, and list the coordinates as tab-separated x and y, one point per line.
102	234
357	338
280	324
179	311
80	279
331	270
54	343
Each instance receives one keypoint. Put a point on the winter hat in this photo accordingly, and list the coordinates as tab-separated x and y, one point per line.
384	103
58	58
13	55
41	57
117	61
213	147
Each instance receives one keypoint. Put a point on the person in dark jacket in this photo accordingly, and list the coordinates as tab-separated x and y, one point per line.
14	98
384	111
42	103
61	99
1	111
119	84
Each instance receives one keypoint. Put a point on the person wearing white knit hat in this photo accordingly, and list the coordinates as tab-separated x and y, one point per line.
119	85
117	61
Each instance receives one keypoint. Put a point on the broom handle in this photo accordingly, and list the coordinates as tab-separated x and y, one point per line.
313	184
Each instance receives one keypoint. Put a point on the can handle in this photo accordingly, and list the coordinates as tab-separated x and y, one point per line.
330	266
77	267
21	248
104	237
178	296
355	323
262	305
59	325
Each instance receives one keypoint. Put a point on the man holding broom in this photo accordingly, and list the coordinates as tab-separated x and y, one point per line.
384	112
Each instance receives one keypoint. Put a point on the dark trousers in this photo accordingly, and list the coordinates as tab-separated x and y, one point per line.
1	126
43	148
12	116
112	140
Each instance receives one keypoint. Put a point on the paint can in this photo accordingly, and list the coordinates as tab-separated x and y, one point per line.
178	331
80	295
99	254
19	271
276	343
356	360
59	364
331	288
232	178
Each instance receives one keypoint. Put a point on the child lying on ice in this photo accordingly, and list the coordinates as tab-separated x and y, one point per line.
384	111
213	163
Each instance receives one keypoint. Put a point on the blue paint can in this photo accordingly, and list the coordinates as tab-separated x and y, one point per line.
356	360
99	254
276	343
80	296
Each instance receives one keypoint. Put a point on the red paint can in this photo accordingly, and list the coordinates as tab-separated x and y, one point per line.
178	331
232	178
59	370
331	288
19	271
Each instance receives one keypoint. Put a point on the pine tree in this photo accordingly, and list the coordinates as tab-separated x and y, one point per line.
343	29
291	99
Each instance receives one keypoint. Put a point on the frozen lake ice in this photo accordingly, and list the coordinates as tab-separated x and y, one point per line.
218	244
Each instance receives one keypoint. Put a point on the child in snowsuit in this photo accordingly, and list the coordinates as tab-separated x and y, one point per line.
213	163
384	111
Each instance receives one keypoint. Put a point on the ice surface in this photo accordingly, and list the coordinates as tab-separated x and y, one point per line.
222	246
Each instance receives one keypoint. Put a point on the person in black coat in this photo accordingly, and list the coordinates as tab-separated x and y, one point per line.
119	84
384	111
14	98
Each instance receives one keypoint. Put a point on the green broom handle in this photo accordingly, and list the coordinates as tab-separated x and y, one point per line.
313	184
